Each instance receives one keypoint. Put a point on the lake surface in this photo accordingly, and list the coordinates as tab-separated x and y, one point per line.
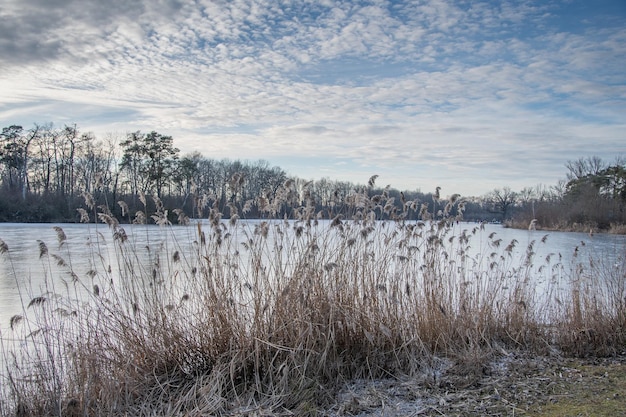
90	247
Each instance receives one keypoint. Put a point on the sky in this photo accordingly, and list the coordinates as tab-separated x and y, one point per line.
466	95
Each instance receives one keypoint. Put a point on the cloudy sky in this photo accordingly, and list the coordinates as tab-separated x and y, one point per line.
466	95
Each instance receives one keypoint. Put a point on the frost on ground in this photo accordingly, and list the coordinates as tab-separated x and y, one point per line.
514	385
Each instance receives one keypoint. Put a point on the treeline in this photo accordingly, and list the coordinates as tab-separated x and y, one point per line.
47	173
592	197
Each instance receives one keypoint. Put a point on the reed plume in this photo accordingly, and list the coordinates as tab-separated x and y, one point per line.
4	248
43	249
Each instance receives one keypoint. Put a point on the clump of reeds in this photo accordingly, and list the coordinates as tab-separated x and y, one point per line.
594	308
274	314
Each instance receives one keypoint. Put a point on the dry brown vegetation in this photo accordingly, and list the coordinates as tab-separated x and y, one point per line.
275	317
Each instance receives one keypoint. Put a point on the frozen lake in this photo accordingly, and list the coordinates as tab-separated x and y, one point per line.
89	248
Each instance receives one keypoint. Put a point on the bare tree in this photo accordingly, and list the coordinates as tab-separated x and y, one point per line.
584	167
503	199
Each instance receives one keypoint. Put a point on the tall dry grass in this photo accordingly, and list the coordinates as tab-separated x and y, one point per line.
276	314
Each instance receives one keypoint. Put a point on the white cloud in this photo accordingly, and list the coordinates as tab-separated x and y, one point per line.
465	94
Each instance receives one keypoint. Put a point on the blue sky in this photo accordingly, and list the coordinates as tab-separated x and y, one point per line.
466	95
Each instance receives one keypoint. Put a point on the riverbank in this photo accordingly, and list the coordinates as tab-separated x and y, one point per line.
614	229
514	383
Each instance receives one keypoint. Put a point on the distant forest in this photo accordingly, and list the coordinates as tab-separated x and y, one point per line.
50	174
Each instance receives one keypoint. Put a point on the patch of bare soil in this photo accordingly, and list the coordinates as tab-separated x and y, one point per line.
514	385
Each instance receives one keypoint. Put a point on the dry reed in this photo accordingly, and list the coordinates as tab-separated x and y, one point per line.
276	314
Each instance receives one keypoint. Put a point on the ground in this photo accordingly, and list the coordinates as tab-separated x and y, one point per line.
514	385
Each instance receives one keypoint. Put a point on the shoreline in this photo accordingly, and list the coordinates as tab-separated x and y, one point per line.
617	229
